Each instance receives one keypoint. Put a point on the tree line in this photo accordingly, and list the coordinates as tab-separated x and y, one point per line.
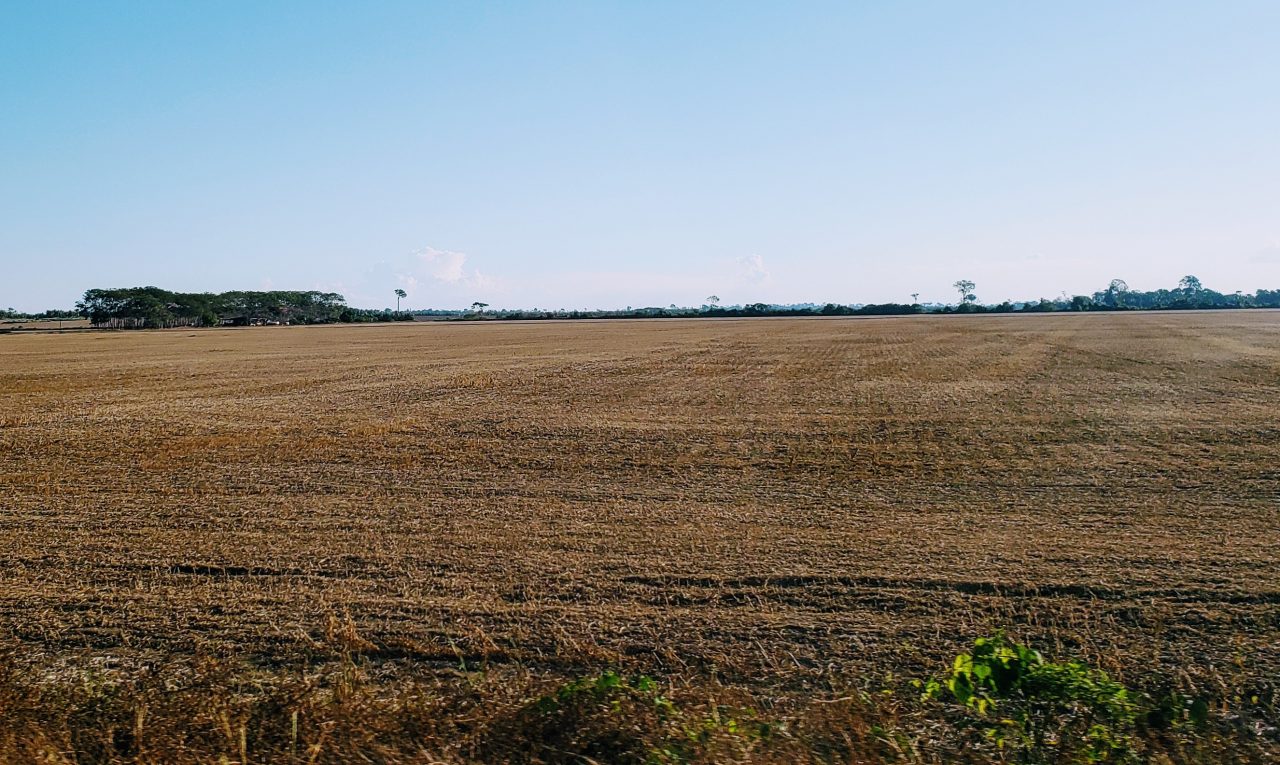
53	313
687	312
1190	294
152	307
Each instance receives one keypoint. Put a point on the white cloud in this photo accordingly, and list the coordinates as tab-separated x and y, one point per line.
752	270
443	265
443	268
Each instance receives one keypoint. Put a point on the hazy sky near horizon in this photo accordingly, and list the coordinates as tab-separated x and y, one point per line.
604	154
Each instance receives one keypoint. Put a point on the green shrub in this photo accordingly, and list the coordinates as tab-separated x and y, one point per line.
1044	711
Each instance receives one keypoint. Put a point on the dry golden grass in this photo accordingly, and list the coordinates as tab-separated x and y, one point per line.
774	505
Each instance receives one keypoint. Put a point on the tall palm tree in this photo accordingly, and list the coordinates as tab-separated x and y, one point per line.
400	294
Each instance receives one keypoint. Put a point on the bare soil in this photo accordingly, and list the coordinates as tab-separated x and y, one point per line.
771	503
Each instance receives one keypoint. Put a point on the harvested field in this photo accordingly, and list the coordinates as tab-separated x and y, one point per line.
781	508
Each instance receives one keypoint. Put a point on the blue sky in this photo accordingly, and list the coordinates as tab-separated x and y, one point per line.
603	154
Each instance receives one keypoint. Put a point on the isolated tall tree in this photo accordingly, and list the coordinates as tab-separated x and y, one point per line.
400	294
1116	292
1190	285
713	300
915	298
479	307
965	287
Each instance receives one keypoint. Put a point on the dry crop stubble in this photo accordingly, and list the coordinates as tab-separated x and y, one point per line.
773	502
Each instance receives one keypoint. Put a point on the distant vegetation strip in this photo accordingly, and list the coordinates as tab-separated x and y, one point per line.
1190	294
153	307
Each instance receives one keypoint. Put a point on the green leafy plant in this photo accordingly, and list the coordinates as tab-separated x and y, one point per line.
609	689
1043	710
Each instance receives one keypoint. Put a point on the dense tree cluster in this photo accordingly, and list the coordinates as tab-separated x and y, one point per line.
1189	294
150	307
